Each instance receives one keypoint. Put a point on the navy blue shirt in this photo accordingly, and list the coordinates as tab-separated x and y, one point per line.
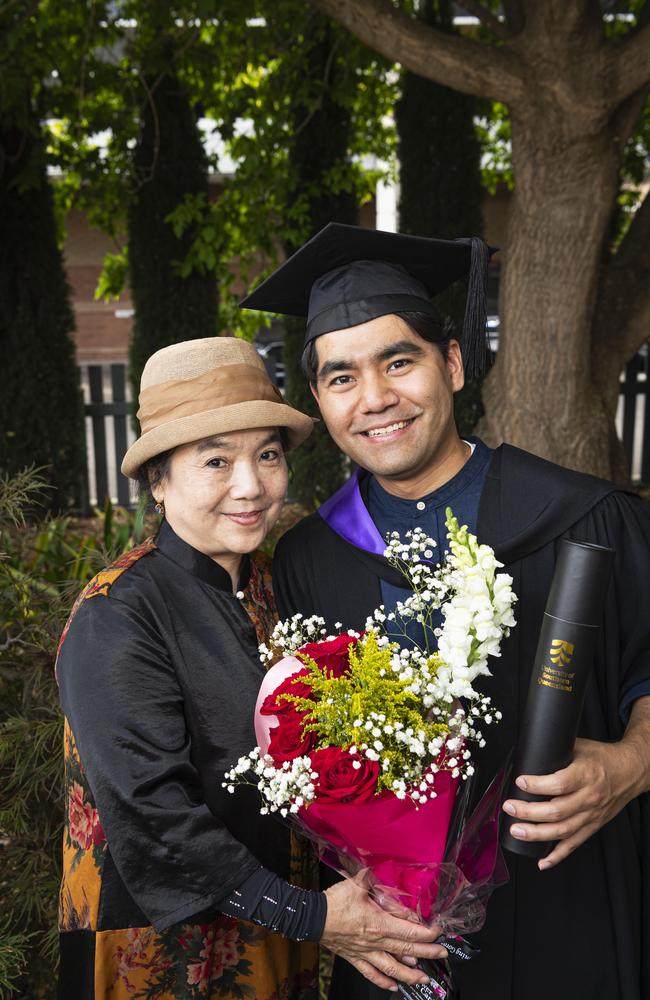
391	513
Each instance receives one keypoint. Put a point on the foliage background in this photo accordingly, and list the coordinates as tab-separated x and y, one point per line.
44	564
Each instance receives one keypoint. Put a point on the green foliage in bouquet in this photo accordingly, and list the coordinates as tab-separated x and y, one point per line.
372	692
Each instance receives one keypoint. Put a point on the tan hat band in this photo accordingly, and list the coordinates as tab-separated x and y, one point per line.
219	387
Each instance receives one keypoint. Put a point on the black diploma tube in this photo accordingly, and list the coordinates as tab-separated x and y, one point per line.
564	657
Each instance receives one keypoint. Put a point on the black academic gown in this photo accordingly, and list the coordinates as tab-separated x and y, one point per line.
580	931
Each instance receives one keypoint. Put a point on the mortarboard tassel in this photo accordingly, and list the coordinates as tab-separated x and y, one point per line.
475	341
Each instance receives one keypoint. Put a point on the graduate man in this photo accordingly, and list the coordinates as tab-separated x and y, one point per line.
575	925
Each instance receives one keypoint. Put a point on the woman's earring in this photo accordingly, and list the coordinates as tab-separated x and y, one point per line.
160	508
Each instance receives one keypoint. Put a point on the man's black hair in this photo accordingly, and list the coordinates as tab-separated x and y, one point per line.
430	328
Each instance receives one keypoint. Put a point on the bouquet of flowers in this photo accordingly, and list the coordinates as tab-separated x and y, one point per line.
365	739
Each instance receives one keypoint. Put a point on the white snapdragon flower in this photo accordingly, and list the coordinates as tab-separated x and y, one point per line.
475	585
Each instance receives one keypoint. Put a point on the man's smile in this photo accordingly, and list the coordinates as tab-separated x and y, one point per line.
388	430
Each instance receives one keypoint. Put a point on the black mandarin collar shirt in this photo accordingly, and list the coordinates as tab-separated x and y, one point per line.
197	563
158	676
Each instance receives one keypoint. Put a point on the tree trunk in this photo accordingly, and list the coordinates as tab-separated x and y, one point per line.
541	395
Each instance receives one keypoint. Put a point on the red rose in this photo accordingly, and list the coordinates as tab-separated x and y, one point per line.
287	740
272	705
331	654
339	780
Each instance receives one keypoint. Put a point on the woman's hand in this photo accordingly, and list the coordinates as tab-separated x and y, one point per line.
374	941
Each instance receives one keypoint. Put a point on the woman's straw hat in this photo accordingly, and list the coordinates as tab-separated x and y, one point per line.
192	390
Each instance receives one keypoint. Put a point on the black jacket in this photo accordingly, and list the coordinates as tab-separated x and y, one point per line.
158	675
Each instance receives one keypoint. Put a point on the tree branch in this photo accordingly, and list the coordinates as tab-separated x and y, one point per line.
623	308
471	67
630	65
489	20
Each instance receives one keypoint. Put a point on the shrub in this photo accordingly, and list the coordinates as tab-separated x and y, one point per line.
43	565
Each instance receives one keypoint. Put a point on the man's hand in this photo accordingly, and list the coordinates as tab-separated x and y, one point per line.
600	781
381	946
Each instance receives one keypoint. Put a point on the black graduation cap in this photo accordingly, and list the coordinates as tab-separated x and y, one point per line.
347	275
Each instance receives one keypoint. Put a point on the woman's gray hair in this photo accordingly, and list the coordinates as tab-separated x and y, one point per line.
151	473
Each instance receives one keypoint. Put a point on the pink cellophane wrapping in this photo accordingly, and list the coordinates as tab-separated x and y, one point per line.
389	836
401	849
265	723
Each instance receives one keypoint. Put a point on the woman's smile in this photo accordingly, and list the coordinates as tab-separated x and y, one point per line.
246	518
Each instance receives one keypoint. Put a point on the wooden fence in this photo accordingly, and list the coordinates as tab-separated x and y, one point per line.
109	432
109	429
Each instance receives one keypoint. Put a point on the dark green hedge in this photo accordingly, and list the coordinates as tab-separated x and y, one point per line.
169	163
41	410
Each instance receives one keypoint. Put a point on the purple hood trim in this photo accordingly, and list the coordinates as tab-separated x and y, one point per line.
347	515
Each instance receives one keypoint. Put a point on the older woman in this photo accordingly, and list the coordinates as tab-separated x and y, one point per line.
171	887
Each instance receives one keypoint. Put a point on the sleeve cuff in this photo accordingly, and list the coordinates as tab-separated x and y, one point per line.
639	690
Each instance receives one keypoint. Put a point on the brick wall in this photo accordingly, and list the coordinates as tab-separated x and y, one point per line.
102	334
